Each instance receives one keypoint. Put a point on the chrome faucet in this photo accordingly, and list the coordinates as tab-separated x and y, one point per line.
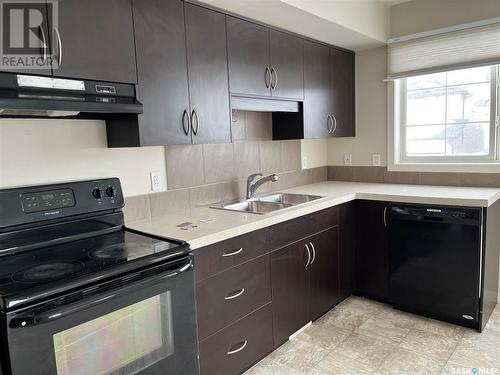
254	185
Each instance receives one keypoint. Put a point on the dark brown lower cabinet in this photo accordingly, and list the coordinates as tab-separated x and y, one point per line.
372	250
347	233
226	297
324	269
305	282
290	290
238	346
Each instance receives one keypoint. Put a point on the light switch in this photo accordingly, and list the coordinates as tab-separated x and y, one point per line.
376	160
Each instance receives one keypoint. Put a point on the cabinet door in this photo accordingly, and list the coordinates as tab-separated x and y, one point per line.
324	271
208	75
372	250
317	90
96	40
162	71
40	44
287	62
290	290
248	55
343	93
347	232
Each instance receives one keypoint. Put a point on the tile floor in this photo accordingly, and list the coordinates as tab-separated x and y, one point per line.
360	337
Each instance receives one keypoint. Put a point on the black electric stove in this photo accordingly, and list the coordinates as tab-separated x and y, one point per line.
68	265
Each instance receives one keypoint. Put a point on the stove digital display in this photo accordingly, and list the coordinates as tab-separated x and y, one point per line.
47	200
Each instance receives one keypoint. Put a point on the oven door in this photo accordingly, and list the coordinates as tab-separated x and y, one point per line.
146	325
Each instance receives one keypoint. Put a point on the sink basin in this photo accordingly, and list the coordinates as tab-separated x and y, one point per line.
268	203
287	198
254	206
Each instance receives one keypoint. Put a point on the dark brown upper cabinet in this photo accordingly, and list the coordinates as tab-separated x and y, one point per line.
208	75
318	90
162	72
248	55
343	93
287	65
94	40
42	45
182	70
328	108
264	62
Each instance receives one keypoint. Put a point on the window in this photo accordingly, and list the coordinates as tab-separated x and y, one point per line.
449	116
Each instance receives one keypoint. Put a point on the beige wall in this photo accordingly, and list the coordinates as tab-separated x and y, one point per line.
46	151
423	15
42	151
371	113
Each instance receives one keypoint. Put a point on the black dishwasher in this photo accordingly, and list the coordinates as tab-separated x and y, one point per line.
435	262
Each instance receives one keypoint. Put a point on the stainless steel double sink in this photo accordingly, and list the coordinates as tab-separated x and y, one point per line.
268	203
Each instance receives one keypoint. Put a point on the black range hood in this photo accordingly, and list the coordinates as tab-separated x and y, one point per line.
37	96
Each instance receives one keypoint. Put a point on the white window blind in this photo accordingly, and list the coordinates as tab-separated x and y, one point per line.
466	47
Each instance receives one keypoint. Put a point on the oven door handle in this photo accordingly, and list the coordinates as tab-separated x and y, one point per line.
32	319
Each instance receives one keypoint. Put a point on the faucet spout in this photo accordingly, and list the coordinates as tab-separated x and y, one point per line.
252	185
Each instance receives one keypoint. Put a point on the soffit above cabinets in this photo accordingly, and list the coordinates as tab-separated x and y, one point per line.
352	25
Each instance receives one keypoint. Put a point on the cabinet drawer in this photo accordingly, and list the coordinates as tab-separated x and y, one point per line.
238	346
230	295
215	258
293	230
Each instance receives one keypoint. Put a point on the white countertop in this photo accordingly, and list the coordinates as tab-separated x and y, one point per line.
214	225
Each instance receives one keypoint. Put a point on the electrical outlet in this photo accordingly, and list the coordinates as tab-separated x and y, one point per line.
305	162
376	160
234	115
347	159
156	183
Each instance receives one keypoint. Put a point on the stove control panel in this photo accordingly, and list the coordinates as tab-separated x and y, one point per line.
29	204
47	200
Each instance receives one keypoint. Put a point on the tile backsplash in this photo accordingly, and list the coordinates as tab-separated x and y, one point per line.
382	175
202	175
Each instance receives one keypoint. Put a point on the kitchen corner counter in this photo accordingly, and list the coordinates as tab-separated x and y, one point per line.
210	225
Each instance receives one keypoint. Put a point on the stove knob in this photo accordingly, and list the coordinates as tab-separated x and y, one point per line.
110	191
96	193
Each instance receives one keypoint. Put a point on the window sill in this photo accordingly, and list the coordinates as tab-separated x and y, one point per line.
482	167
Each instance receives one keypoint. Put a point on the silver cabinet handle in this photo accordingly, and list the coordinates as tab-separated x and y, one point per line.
234	294
59	44
231	253
385	216
267	77
308	255
185	124
242	346
44	41
194	115
335	123
314	252
274	78
328	124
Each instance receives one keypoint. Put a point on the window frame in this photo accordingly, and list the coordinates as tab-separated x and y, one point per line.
400	130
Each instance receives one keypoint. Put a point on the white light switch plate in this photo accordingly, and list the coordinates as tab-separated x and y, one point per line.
347	159
376	160
156	183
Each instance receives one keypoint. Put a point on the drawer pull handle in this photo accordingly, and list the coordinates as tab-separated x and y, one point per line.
230	254
242	346
235	294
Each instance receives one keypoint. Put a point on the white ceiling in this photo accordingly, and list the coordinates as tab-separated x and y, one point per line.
351	24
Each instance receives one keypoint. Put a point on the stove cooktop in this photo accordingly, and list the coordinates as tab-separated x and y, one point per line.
55	267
